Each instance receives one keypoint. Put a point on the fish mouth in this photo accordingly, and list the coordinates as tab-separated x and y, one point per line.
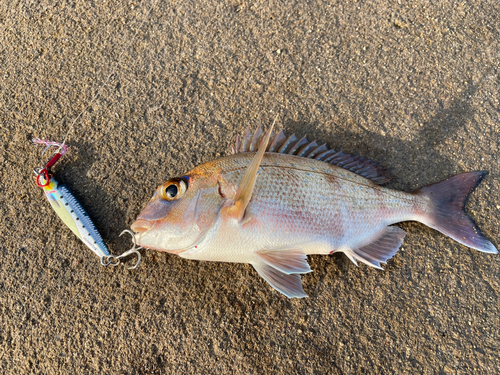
141	227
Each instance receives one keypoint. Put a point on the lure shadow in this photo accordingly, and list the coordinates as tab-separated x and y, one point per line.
107	212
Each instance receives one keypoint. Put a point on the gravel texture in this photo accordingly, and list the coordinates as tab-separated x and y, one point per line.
414	85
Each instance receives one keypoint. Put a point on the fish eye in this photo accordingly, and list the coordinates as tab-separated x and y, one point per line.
173	189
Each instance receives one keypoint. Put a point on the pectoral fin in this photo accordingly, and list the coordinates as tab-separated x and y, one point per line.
282	268
245	189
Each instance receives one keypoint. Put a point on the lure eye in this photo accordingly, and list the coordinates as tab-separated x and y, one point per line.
173	189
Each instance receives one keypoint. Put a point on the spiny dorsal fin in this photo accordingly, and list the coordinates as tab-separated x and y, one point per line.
282	144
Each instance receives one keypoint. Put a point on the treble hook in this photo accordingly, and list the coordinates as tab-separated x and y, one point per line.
114	260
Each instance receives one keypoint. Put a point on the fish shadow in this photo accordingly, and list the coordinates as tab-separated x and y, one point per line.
412	163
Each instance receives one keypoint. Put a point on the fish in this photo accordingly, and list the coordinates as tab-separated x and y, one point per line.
278	199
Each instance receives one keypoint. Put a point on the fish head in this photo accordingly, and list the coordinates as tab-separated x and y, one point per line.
180	212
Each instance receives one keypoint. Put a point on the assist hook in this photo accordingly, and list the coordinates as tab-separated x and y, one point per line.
43	173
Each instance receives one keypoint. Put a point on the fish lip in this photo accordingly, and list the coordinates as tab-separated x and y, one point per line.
140	226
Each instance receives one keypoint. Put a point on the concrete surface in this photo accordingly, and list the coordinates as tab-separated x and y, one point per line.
412	84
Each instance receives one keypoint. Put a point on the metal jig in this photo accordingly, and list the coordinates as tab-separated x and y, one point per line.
72	213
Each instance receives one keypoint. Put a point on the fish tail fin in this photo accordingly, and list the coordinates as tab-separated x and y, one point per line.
447	210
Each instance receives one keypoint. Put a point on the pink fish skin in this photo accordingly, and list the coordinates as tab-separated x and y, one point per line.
297	205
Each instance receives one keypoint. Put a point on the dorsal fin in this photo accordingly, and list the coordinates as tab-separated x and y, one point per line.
282	144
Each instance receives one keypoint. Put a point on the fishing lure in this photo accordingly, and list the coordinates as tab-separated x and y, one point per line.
64	202
71	212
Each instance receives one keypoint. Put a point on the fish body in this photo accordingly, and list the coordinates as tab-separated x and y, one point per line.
300	204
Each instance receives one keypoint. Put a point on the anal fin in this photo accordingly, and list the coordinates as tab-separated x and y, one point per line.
380	250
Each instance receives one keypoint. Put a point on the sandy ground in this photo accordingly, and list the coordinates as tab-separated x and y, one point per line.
412	84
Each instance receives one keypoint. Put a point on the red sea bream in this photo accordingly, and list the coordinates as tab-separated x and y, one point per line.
291	198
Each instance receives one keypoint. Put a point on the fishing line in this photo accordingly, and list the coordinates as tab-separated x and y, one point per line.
60	197
45	43
113	71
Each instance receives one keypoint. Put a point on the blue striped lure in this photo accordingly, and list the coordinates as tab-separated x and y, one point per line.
73	215
61	199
